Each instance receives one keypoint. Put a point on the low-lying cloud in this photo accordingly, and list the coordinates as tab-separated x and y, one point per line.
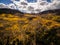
24	6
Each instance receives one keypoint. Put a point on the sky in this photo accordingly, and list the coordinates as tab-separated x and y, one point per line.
5	1
30	6
9	1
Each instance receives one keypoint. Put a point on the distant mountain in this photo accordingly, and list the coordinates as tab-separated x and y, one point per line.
7	11
56	11
13	11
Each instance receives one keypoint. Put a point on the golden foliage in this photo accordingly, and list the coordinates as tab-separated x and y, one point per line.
25	28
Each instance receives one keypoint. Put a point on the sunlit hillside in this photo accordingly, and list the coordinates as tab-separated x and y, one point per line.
29	29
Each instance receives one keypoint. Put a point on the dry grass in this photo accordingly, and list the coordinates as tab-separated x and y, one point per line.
29	29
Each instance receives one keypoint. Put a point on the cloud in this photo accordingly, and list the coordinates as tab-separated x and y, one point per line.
3	5
12	6
35	7
54	5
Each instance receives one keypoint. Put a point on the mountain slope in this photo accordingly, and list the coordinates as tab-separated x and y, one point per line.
29	29
56	11
9	11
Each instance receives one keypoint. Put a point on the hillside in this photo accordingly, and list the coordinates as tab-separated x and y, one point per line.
7	11
56	11
17	28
